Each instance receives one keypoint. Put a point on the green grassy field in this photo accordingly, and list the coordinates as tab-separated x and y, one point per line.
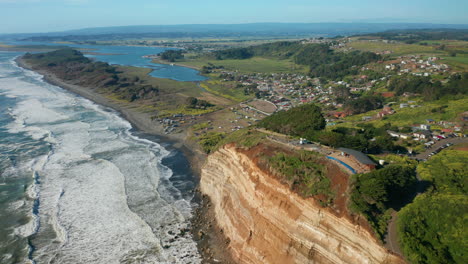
397	48
458	63
225	90
409	116
166	85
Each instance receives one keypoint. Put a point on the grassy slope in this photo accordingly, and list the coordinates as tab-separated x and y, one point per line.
459	63
409	116
397	49
166	85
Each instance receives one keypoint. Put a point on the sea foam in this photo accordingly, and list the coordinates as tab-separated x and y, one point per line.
101	193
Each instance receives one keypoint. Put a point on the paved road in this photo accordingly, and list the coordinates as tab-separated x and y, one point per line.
391	240
438	144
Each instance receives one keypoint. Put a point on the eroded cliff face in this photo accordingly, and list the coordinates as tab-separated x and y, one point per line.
267	223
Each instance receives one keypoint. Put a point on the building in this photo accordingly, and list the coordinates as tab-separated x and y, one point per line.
387	110
425	127
360	157
424	134
397	135
340	114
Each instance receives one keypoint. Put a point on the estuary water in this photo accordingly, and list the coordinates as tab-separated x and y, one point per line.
78	185
132	56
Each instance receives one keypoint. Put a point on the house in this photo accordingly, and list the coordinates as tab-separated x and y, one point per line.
340	114
387	110
388	94
430	121
397	135
366	118
424	134
425	127
403	105
447	130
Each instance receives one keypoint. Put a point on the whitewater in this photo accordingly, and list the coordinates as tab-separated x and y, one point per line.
78	185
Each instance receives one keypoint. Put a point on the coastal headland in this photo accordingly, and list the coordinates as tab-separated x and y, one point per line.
300	169
210	241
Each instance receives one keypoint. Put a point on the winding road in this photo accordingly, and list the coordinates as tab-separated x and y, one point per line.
391	240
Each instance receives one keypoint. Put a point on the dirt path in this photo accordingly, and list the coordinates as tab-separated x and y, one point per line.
391	240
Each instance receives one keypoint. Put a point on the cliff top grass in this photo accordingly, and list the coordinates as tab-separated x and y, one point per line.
246	138
305	172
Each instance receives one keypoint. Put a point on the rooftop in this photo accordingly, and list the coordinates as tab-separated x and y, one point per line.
361	157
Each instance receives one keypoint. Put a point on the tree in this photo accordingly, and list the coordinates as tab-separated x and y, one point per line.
302	121
372	194
433	229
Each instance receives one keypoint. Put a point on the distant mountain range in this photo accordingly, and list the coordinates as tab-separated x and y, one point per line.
231	30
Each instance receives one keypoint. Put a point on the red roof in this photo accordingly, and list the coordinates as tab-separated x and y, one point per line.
388	94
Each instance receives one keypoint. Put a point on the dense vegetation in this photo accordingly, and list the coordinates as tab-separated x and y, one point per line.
322	60
210	141
366	138
447	171
301	121
308	122
172	55
305	173
412	36
374	193
71	65
334	65
433	228
429	89
363	104
195	103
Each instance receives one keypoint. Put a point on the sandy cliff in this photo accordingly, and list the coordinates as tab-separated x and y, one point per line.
267	223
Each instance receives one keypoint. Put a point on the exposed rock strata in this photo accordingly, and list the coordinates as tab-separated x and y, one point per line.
267	223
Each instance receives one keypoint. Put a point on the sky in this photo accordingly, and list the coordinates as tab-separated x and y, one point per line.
30	16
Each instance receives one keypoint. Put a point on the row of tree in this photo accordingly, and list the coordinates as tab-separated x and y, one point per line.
172	55
322	60
428	88
374	193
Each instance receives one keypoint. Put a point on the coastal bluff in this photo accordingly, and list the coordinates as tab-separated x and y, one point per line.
265	222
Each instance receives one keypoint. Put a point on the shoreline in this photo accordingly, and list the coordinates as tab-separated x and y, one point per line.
160	61
141	122
204	229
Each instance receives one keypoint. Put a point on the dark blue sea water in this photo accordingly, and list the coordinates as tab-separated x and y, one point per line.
78	185
133	56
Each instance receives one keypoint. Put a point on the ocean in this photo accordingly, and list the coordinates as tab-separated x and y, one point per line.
79	185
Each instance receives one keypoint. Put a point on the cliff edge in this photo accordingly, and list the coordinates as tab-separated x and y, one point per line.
266	222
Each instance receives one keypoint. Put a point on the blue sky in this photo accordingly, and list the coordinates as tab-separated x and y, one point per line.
21	16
